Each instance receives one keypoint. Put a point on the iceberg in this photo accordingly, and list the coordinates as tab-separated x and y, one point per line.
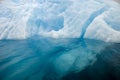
48	58
92	19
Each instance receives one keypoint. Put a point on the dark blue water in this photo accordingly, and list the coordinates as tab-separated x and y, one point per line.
59	59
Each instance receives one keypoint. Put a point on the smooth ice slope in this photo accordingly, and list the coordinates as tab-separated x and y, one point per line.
94	19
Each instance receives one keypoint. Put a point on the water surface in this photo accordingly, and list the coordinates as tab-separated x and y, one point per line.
59	59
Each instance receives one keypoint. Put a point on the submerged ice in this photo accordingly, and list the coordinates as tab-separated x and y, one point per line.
46	58
93	19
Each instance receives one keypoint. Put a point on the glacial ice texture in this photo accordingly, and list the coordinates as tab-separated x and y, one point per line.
47	58
93	19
